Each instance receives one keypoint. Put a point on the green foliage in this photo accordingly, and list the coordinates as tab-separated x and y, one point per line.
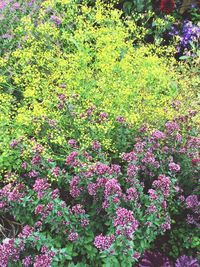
91	60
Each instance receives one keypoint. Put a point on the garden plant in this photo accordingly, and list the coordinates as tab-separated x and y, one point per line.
99	133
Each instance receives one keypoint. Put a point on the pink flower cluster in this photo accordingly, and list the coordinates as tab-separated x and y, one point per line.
43	260
129	157
8	251
174	167
78	209
192	201
71	159
112	188
158	135
163	183
125	222
103	242
172	127
73	236
96	145
36	160
56	171
75	190
72	143
40	186
26	231
131	194
12	193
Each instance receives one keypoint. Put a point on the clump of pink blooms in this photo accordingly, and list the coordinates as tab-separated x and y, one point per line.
125	222
104	242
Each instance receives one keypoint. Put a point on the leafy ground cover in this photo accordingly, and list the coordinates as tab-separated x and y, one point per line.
99	136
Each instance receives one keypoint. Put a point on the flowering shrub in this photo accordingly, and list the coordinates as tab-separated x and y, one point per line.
99	152
99	212
55	84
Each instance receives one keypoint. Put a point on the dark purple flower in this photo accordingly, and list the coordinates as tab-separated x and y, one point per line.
186	261
154	259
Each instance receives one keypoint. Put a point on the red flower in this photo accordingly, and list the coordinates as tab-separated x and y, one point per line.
167	6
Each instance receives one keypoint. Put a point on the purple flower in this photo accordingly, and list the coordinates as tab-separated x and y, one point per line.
72	143
158	135
55	193
36	160
129	157
132	194
112	188
84	222
56	20
75	191
16	5
174	167
56	171
152	194
103	242
103	116
120	119
77	209
125	222
172	127
26	231
73	236
43	260
163	183
115	169
132	170
192	201
71	159
8	252
186	261
92	188
96	145
27	261
2	4
40	187
33	174
154	259
101	168
14	143
39	209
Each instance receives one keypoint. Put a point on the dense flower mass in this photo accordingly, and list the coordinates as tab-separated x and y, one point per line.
154	259
99	146
185	261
